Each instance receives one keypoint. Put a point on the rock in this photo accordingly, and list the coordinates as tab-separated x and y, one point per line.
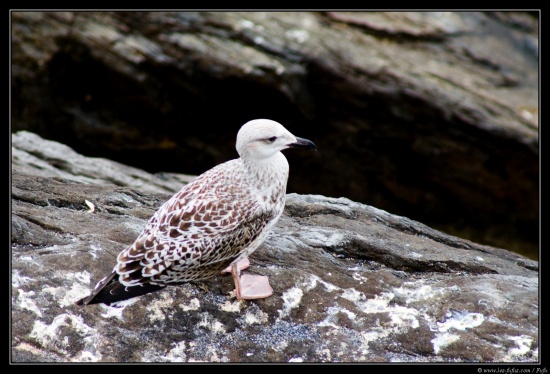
32	154
351	282
429	115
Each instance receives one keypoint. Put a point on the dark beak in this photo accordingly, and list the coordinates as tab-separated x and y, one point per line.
303	143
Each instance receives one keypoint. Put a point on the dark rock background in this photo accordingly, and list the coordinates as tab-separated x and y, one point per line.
429	115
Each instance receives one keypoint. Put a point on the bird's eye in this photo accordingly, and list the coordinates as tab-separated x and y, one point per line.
271	140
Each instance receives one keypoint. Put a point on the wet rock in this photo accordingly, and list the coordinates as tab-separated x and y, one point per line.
351	282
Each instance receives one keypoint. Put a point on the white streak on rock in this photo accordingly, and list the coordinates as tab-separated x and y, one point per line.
26	300
291	298
194	304
442	340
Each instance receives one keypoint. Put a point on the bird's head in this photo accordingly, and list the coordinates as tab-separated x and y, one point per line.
262	138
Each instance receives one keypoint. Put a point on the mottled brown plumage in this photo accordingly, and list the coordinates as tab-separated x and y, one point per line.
215	221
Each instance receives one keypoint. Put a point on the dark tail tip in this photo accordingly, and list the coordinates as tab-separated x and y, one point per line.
81	301
115	291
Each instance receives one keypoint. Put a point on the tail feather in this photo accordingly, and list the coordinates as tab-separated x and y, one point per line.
110	290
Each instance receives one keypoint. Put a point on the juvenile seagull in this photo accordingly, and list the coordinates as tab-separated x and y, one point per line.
212	224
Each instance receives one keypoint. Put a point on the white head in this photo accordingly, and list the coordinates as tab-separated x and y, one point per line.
262	138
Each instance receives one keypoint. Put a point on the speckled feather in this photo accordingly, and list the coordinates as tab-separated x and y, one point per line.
214	220
219	218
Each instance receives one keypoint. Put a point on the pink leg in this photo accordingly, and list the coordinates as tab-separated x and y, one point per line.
249	287
242	264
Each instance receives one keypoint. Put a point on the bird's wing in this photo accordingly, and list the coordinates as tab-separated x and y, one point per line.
191	231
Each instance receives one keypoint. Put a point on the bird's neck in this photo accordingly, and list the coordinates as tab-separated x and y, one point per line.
268	175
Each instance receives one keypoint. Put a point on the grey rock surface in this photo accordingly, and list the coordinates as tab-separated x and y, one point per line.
352	283
40	157
429	115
